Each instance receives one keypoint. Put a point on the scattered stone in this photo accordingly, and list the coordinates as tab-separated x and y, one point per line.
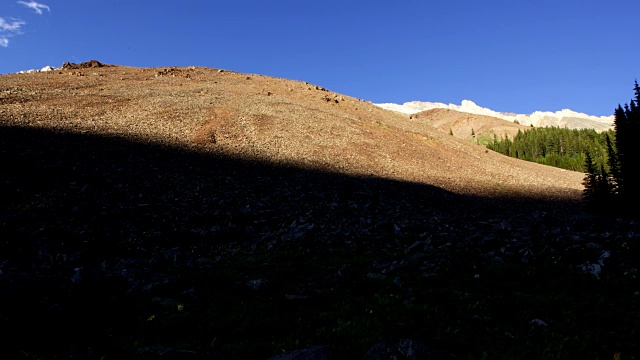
157	352
328	98
593	246
374	276
478	321
164	301
538	322
295	297
298	231
591	268
257	284
312	353
404	349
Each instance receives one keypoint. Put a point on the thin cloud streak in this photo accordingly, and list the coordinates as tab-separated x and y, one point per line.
37	7
10	26
9	29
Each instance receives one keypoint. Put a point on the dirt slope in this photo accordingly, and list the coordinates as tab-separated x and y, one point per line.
273	119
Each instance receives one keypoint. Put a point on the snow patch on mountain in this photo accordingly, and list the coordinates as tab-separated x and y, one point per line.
44	69
563	118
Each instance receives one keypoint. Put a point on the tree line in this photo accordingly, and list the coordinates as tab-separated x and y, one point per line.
555	146
610	159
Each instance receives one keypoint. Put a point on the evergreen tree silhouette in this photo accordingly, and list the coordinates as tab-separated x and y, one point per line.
612	162
627	127
590	182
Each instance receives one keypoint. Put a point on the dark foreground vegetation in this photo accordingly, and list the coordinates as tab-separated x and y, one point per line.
115	249
615	188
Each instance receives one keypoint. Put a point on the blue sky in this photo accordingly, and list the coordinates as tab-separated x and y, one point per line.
512	56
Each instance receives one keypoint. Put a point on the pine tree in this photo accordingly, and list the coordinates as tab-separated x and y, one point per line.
612	162
621	186
554	146
627	127
590	181
597	186
603	192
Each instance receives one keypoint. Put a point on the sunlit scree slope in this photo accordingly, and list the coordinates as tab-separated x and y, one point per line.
269	119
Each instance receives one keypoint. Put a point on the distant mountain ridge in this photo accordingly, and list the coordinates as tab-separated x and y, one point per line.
563	118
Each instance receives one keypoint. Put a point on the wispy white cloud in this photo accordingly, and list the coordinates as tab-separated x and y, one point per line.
8	29
13	26
37	7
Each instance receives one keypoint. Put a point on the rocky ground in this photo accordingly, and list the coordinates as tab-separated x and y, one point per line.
115	245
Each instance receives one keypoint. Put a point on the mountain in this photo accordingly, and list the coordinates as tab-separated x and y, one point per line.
269	119
477	128
198	213
563	118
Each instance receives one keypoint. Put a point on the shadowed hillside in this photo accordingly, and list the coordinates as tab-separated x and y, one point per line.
102	233
143	236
